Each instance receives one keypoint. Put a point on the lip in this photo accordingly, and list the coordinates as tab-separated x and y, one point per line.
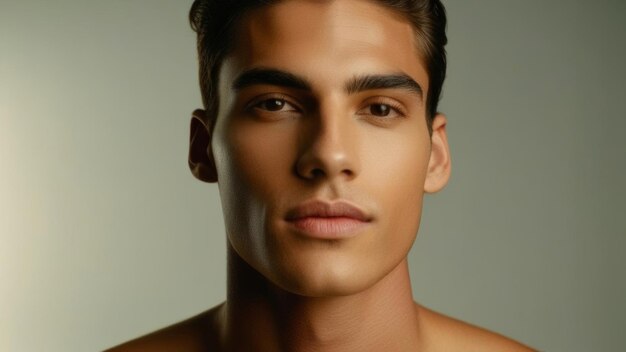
328	220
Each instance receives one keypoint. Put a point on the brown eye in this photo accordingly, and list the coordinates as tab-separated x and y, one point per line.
380	109
275	104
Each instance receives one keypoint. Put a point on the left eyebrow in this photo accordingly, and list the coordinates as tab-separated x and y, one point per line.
390	81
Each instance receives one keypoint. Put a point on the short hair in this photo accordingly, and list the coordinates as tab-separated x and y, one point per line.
214	22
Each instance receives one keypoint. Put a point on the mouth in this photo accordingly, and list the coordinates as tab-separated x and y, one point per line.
325	220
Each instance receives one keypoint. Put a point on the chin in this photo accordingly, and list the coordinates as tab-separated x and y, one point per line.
327	278
320	288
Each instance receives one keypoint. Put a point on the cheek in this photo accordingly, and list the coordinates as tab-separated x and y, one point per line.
397	165
399	188
252	158
252	166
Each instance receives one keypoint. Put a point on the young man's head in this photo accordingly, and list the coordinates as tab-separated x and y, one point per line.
321	130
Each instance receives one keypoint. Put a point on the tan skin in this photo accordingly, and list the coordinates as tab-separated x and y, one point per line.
275	145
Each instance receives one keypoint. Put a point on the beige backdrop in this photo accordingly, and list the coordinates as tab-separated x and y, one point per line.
104	234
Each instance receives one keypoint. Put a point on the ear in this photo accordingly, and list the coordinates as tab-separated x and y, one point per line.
439	165
201	160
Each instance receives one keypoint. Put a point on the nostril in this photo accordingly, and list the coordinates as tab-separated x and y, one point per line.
316	173
348	172
325	161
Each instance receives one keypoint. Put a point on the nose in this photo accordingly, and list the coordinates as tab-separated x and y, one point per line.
328	148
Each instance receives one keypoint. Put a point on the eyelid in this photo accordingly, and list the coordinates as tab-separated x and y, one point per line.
392	103
268	96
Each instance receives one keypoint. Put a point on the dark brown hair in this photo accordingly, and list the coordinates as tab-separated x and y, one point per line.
214	21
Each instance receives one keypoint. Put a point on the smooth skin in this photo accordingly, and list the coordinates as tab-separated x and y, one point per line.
300	119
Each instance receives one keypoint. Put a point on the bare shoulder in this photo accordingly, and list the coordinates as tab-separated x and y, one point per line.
195	334
448	334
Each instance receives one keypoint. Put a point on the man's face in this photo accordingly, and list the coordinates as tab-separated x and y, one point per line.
321	101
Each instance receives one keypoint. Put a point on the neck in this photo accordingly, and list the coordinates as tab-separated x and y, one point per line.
258	315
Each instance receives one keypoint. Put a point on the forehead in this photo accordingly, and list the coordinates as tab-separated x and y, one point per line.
329	38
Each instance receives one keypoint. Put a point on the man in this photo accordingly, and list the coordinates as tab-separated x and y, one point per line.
320	128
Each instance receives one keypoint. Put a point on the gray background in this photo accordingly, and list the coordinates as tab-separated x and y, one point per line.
104	234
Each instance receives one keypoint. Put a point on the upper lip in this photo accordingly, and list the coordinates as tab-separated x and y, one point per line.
324	209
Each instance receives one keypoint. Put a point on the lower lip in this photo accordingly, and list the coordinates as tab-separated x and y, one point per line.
328	228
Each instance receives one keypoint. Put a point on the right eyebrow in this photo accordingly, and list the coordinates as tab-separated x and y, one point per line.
270	76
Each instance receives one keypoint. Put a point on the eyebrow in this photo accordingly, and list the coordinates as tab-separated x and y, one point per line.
275	77
385	81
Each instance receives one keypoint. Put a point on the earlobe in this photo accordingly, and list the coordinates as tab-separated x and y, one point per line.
439	165
201	160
